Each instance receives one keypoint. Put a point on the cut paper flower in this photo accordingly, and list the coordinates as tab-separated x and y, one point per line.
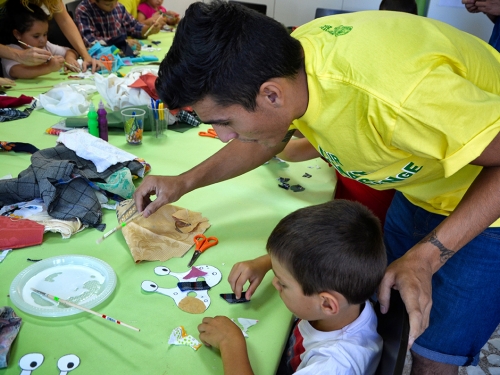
180	337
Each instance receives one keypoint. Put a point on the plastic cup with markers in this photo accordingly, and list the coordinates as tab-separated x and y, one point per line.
133	119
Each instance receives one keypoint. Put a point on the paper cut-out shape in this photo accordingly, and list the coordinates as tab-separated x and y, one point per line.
68	363
195	272
30	362
180	337
192	305
245	324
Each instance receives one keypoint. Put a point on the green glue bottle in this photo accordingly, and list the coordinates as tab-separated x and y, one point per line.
92	121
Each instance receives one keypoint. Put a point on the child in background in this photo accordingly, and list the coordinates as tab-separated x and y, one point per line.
150	8
109	21
29	29
327	261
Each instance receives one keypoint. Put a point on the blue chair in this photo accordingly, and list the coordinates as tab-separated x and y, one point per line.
322	12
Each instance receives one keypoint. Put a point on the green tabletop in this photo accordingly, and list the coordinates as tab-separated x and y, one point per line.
242	212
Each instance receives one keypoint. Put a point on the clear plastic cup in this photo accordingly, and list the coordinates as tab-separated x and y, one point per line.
160	120
133	118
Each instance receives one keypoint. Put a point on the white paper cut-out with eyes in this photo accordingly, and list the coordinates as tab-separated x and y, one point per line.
68	363
192	304
30	362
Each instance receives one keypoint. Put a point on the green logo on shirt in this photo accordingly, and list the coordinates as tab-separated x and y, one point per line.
336	31
407	171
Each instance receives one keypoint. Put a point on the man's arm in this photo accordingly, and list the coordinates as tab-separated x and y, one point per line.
232	160
412	273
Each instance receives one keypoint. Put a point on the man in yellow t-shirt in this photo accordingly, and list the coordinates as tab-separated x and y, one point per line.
392	100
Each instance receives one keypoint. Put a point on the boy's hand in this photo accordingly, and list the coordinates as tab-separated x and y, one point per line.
134	42
172	18
250	270
56	63
219	331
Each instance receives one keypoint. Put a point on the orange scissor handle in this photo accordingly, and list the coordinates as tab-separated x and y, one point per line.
203	243
107	61
209	133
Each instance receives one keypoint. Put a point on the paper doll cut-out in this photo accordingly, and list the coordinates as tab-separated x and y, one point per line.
192	304
30	362
68	363
180	337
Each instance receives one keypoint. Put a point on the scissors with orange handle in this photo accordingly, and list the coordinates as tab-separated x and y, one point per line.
107	61
209	133
202	244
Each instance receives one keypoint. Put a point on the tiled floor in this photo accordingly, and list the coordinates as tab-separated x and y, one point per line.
489	360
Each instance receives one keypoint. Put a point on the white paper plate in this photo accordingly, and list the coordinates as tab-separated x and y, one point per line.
84	280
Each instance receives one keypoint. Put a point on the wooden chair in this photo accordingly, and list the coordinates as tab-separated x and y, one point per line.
261	8
322	12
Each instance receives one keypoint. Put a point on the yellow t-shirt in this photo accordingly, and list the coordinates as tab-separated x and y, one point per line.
131	6
400	101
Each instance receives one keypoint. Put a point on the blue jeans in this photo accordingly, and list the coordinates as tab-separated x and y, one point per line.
465	290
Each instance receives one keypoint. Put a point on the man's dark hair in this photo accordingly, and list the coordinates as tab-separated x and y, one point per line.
334	246
407	6
225	51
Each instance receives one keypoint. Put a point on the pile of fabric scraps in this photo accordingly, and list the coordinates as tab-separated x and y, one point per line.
180	337
160	236
10	324
10	114
65	177
67	100
36	211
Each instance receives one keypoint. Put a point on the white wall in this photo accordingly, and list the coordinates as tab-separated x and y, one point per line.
477	24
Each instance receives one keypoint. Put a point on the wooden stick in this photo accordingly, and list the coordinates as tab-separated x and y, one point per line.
65	63
57	299
153	25
119	227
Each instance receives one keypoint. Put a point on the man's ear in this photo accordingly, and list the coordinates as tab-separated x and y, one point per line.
272	92
330	304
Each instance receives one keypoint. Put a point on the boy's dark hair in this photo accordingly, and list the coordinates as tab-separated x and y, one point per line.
334	246
407	6
227	51
21	18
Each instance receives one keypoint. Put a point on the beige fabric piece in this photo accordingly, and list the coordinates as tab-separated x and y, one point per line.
158	237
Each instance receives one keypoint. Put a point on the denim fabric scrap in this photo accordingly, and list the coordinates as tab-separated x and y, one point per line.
10	324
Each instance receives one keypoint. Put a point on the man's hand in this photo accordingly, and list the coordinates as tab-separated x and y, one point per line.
219	331
32	56
490	7
250	270
166	188
412	276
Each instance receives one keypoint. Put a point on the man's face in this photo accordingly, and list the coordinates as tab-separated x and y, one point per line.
106	5
264	126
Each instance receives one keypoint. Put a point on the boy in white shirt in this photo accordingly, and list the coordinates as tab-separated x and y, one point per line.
327	260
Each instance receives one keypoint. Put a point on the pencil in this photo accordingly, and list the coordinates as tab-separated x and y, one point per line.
65	63
57	299
119	227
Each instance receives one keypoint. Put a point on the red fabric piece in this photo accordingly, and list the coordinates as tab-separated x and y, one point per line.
13	102
147	83
378	201
15	234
